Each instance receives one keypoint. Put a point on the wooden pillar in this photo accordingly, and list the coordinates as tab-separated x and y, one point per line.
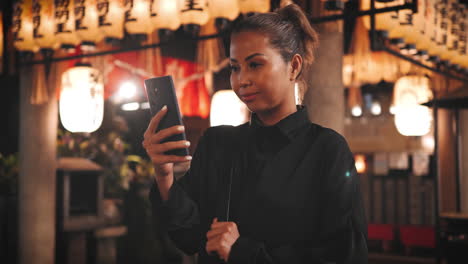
325	93
37	158
463	144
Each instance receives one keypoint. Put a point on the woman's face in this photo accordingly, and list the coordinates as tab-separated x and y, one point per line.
259	75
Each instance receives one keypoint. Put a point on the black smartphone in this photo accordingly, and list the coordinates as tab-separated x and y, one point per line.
161	92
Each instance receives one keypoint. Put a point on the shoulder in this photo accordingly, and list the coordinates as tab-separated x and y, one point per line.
329	140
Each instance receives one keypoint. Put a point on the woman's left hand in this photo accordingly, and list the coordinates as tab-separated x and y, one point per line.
221	237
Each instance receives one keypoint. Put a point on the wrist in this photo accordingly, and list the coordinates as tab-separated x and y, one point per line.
164	183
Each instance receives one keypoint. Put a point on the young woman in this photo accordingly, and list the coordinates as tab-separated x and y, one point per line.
278	189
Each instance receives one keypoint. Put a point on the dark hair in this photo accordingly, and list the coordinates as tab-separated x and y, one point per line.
288	29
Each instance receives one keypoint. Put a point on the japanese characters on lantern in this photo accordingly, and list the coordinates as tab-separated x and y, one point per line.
44	24
22	26
87	22
65	24
111	18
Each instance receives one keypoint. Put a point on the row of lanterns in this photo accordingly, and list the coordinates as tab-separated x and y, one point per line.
436	32
50	24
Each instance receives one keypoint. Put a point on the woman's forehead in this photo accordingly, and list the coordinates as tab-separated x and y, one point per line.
245	43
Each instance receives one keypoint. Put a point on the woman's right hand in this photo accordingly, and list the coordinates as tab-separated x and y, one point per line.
163	163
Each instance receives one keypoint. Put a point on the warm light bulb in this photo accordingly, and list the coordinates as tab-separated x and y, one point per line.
376	109
127	90
356	110
130	106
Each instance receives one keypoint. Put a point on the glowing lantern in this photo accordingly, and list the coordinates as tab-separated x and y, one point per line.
82	99
194	12
44	24
411	118
87	22
22	26
421	21
165	14
462	59
227	109
65	24
254	6
227	9
111	18
138	17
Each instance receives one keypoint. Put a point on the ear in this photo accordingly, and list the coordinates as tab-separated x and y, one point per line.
296	67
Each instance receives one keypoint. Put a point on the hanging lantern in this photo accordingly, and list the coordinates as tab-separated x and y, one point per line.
44	25
138	17
421	20
388	24
453	32
462	59
254	6
111	18
194	12
360	163
65	24
165	14
22	26
227	109
87	23
225	9
411	118
82	99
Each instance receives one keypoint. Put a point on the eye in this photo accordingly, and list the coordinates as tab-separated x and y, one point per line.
254	65
234	68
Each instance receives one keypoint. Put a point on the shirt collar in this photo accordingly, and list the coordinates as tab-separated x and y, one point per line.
288	124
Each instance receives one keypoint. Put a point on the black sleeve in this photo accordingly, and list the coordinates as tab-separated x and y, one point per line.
179	215
343	229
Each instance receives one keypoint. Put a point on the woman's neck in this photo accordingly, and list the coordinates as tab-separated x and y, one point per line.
273	116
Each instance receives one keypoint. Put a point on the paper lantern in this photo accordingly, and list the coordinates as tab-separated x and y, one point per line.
65	24
82	99
411	118
360	163
44	24
227	9
227	109
194	12
87	22
22	26
138	17
254	6
165	14
421	20
462	59
111	18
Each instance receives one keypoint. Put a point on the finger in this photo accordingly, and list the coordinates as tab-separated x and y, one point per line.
163	159
165	133
154	123
215	220
215	232
215	225
213	245
162	148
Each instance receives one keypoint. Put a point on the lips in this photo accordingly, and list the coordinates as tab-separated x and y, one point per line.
248	97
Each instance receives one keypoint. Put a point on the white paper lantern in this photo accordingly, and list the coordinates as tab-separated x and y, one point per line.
22	26
65	24
254	6
111	18
82	99
228	9
138	17
194	12
165	14
44	24
87	22
227	109
411	118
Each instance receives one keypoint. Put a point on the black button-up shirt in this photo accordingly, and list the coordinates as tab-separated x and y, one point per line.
291	188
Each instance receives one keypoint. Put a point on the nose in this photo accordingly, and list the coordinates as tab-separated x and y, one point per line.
244	79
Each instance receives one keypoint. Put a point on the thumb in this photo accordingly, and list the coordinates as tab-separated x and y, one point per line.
215	220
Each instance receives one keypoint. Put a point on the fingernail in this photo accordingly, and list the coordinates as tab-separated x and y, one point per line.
181	128
188	157
164	107
187	143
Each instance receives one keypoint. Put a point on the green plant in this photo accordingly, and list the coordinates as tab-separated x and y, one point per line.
9	170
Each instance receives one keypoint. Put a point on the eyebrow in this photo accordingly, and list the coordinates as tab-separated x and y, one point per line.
249	57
